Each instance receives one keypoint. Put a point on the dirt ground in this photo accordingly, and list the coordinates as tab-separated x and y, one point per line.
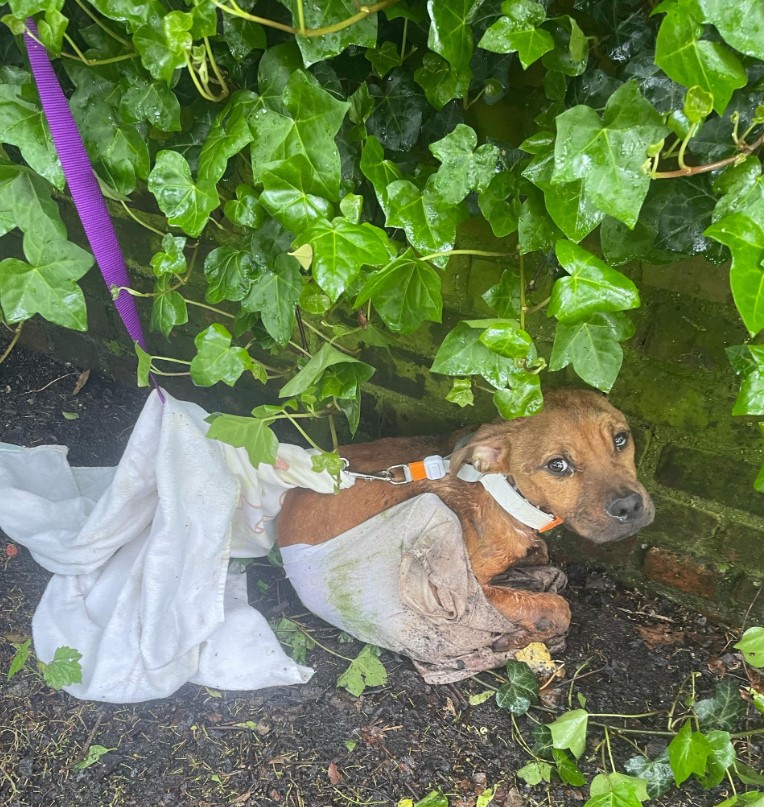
316	745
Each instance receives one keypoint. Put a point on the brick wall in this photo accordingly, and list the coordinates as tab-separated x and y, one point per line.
705	546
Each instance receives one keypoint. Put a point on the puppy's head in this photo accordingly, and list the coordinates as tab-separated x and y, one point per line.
575	460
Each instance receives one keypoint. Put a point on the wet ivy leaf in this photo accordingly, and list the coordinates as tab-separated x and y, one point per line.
230	134
340	249
608	155
750	399
216	359
698	104
274	294
26	203
571	48
591	286
461	394
429	223
721	757
518	31
164	48
143	370
313	300
507	339
439	82
616	790
522	398
569	731
351	207
567	769
365	670
752	799
397	118
520	691
242	36
308	128
251	434
384	58
329	461
685	57
327	357
20	658
245	210
500	204
132	14
535	229
688	753
752	642
186	203
741	188
153	102
22	124
745	238
404	293
592	347
724	710
656	773
168	309
504	297
229	273
533	773
464	167
741	24
47	285
450	34
63	670
288	195
463	354
380	172
95	752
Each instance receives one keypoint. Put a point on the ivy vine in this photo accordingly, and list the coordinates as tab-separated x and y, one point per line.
324	156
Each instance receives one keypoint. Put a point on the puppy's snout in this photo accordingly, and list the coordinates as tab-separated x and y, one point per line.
627	507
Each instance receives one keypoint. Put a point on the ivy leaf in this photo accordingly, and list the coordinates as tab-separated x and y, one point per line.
186	203
242	36
288	195
47	285
22	124
520	691
507	339
132	14
741	24
327	357
608	155
95	752
230	134
724	710
365	670
721	757
534	773
688	753
439	82
751	646
616	790
591	346
461	394
745	238
380	172
753	799
26	203
518	31
229	273
567	769
63	670
143	370
741	188
750	399
571	48
170	260
397	117
500	212
274	294
450	34
686	58
216	359
592	286
405	293
168	309
311	121
153	102
340	249
463	166
522	398
656	773
535	229
429	223
20	658
569	731
384	58
245	209
251	434
164	48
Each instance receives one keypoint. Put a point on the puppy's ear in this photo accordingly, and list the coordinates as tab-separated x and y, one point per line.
487	451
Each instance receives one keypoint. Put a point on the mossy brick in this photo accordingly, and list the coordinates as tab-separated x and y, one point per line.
694	277
710	476
681	572
568	547
403	373
483	275
742	546
677	332
682	527
747	601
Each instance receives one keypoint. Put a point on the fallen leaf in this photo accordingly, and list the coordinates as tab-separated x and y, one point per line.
70	415
660	635
11	550
335	777
537	657
82	379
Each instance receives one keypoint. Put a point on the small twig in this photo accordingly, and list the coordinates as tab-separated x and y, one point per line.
50	383
704	169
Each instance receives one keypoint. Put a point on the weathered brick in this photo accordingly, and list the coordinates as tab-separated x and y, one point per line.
741	545
695	278
681	572
748	598
681	526
710	476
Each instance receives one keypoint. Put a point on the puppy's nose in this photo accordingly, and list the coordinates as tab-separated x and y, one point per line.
626	508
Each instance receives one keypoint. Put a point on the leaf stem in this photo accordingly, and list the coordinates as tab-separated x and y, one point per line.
215	69
523	306
211	308
105	28
704	169
137	220
479	252
12	344
301	16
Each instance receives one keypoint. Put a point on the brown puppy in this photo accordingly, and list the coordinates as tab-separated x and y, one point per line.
575	460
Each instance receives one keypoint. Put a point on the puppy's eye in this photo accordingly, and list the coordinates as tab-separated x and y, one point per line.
559	466
621	440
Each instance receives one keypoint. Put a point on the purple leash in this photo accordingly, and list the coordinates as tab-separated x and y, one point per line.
83	185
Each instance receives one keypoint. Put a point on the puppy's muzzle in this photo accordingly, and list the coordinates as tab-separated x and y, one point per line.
626	508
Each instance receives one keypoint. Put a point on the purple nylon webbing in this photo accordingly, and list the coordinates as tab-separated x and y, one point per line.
83	184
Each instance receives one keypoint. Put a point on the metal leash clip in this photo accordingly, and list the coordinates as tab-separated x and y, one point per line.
371	476
432	467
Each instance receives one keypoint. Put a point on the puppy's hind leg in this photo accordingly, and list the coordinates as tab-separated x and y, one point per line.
539	617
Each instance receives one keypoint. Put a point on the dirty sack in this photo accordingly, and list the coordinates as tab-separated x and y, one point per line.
140	553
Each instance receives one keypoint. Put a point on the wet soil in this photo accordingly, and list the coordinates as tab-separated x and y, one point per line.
317	745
